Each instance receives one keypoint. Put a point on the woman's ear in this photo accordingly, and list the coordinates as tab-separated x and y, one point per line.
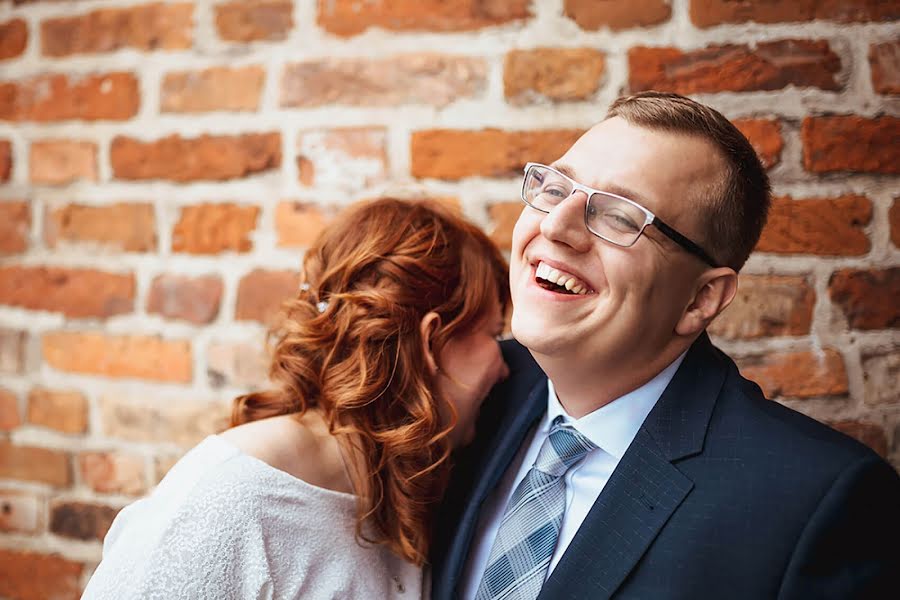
427	326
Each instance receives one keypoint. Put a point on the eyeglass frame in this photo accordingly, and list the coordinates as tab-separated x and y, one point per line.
650	218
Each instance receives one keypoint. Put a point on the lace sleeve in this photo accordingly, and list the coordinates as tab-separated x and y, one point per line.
212	547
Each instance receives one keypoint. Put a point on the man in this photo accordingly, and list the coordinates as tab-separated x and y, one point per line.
632	460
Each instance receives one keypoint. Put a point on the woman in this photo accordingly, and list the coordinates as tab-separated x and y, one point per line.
326	486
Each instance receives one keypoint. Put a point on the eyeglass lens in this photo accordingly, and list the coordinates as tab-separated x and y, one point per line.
612	218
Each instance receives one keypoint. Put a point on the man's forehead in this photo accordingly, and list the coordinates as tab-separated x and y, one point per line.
638	159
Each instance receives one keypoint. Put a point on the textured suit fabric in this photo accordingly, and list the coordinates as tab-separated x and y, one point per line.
722	494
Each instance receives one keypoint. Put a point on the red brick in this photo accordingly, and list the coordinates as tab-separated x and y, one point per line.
299	224
219	88
32	576
76	293
504	216
422	78
451	203
850	143
12	351
9	410
823	226
182	422
350	17
347	159
447	153
80	520
243	364
13	38
617	14
62	410
706	13
58	162
207	157
40	465
156	26
884	60
125	227
243	21
20	512
881	372
113	96
797	374
870	434
556	74
261	293
213	228
767	306
734	68
894	218
15	225
868	299
765	135
5	158
140	357
194	299
113	472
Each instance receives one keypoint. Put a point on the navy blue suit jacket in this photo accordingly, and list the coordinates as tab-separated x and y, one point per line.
722	494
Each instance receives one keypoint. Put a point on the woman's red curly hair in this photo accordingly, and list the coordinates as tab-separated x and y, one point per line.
380	267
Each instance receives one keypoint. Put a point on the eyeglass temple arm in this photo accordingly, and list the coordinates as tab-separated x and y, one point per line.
684	242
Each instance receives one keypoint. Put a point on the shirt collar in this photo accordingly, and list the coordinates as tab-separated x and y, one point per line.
612	427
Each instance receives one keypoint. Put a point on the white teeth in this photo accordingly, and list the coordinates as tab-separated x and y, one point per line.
570	282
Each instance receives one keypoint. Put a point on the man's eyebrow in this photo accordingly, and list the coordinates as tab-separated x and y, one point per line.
625	192
612	188
564	169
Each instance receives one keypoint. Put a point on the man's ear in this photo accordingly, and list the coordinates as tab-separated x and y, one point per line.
714	292
427	326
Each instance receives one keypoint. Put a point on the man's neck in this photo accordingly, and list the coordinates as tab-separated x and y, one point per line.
583	388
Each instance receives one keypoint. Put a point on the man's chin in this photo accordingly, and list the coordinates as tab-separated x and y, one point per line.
536	336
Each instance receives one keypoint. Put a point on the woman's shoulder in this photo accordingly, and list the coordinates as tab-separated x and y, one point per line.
240	476
300	447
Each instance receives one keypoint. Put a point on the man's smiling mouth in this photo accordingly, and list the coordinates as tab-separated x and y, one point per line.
558	281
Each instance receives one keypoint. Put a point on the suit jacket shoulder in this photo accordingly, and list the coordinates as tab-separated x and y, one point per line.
723	493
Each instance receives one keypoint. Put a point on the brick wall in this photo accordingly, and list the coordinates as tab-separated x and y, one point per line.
162	167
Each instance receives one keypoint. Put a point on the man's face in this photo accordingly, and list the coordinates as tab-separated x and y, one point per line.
635	295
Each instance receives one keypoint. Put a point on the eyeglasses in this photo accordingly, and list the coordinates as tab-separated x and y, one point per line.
610	217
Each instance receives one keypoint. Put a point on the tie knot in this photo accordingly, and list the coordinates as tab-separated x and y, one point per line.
563	448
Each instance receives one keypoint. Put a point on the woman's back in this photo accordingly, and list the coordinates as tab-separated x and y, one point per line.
225	524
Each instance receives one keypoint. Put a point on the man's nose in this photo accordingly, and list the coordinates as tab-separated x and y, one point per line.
565	222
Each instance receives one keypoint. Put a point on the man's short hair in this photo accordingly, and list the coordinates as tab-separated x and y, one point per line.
738	205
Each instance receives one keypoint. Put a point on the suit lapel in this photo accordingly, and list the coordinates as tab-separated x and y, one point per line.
639	498
646	488
506	444
490	467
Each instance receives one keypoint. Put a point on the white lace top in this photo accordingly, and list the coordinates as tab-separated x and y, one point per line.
223	524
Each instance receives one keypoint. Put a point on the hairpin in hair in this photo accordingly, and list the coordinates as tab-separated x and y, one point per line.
321	306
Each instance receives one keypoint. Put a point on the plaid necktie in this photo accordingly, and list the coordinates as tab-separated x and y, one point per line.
527	536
